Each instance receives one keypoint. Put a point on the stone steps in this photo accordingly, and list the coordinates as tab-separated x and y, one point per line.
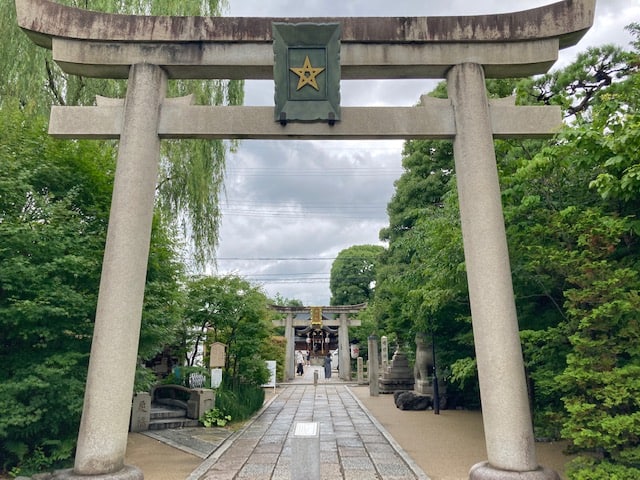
167	416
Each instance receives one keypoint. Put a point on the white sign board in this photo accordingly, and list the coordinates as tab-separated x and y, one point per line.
271	365
216	377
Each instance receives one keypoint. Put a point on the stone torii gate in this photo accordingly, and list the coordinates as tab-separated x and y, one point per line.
343	322
148	51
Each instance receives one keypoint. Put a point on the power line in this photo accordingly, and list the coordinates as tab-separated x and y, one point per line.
293	204
291	280
292	258
325	172
292	274
298	215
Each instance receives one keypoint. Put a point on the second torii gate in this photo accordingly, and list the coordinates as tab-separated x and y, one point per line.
343	322
148	51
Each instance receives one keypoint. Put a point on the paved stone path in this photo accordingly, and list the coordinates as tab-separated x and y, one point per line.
197	441
353	445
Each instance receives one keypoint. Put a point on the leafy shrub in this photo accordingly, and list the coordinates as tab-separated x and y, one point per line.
240	401
145	379
41	413
215	418
586	468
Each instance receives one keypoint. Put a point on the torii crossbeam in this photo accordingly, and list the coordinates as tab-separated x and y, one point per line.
148	51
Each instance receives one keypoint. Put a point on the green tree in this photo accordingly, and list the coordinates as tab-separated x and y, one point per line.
572	228
191	171
561	198
229	310
353	274
428	169
54	205
600	380
164	293
54	200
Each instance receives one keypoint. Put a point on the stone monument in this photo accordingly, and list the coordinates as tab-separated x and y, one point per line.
398	375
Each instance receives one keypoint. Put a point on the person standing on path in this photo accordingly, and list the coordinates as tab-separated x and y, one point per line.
299	362
327	366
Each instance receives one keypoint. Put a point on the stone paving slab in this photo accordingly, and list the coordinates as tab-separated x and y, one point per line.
353	445
197	441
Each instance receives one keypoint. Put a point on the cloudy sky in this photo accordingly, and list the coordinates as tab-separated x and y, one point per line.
291	206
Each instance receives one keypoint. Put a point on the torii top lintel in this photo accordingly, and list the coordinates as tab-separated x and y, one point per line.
512	44
334	309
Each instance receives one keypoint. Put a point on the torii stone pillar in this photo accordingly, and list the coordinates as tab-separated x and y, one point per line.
289	353
344	352
503	390
102	440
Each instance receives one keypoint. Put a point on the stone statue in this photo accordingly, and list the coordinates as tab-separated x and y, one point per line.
423	368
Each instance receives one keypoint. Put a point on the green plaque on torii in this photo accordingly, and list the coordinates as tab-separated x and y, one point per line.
306	71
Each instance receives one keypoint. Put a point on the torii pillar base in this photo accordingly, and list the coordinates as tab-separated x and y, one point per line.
126	473
484	471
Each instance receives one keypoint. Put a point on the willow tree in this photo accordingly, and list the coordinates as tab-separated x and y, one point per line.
191	171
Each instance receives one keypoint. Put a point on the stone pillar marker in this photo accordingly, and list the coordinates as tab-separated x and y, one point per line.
305	451
384	352
505	408
140	412
360	369
374	388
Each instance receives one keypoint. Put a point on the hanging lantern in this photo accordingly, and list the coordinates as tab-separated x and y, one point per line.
326	339
355	350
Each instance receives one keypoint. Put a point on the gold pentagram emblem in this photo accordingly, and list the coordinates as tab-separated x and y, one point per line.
307	74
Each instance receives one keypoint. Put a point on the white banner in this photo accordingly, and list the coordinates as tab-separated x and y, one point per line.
271	365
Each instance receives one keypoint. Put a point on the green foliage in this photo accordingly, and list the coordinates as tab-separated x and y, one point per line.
191	171
215	418
353	274
54	204
164	293
53	209
229	310
570	206
41	413
602	378
239	400
583	468
577	87
420	194
145	379
274	349
464	370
